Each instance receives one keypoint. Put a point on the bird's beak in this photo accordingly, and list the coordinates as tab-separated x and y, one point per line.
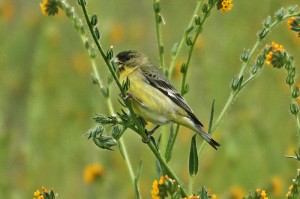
119	64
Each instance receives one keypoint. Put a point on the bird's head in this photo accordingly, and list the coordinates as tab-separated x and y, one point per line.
130	59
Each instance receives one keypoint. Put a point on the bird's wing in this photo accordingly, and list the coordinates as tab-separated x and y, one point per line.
158	80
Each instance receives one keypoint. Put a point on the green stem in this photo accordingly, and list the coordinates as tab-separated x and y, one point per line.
127	160
167	168
158	20
107	62
182	41
191	185
298	125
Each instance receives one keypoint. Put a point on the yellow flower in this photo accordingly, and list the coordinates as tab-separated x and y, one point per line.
290	22
117	33
263	194
155	190
276	186
161	180
49	7
237	192
214	196
92	173
193	197
274	56
224	5
294	24
7	11
37	193
41	197
163	187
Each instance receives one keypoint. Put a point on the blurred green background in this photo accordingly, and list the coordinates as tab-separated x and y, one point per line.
47	101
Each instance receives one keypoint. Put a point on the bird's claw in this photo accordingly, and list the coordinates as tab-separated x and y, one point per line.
125	96
148	138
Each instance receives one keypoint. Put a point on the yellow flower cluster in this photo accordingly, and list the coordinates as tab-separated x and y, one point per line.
155	190
289	193
155	186
294	24
224	5
290	22
262	193
274	48
40	195
192	197
92	172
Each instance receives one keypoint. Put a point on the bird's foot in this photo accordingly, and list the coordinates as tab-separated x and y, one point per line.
149	134
125	96
148	138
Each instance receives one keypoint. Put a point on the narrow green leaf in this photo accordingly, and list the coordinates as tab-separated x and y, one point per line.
136	180
211	116
193	161
204	194
169	147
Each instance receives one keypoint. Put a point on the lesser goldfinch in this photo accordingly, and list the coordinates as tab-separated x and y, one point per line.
152	95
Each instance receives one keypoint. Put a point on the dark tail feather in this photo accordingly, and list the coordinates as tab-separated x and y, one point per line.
208	138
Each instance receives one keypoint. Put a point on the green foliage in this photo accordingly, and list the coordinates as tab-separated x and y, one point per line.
193	160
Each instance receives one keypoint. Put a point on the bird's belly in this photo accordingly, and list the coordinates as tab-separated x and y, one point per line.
151	104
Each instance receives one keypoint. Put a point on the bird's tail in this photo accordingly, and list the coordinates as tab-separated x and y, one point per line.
207	137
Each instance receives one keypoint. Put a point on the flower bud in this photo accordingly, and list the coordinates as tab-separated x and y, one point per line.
156	7
188	41
236	83
97	33
245	55
205	8
183	68
290	80
262	33
197	20
267	21
295	92
94	20
279	14
292	9
294	108
254	69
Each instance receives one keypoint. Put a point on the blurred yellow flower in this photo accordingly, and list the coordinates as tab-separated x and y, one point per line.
41	197
224	5
92	173
7	10
37	193
263	194
194	197
80	63
49	7
117	33
237	192
277	185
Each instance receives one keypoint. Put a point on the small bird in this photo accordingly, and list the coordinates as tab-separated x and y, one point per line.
152	95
